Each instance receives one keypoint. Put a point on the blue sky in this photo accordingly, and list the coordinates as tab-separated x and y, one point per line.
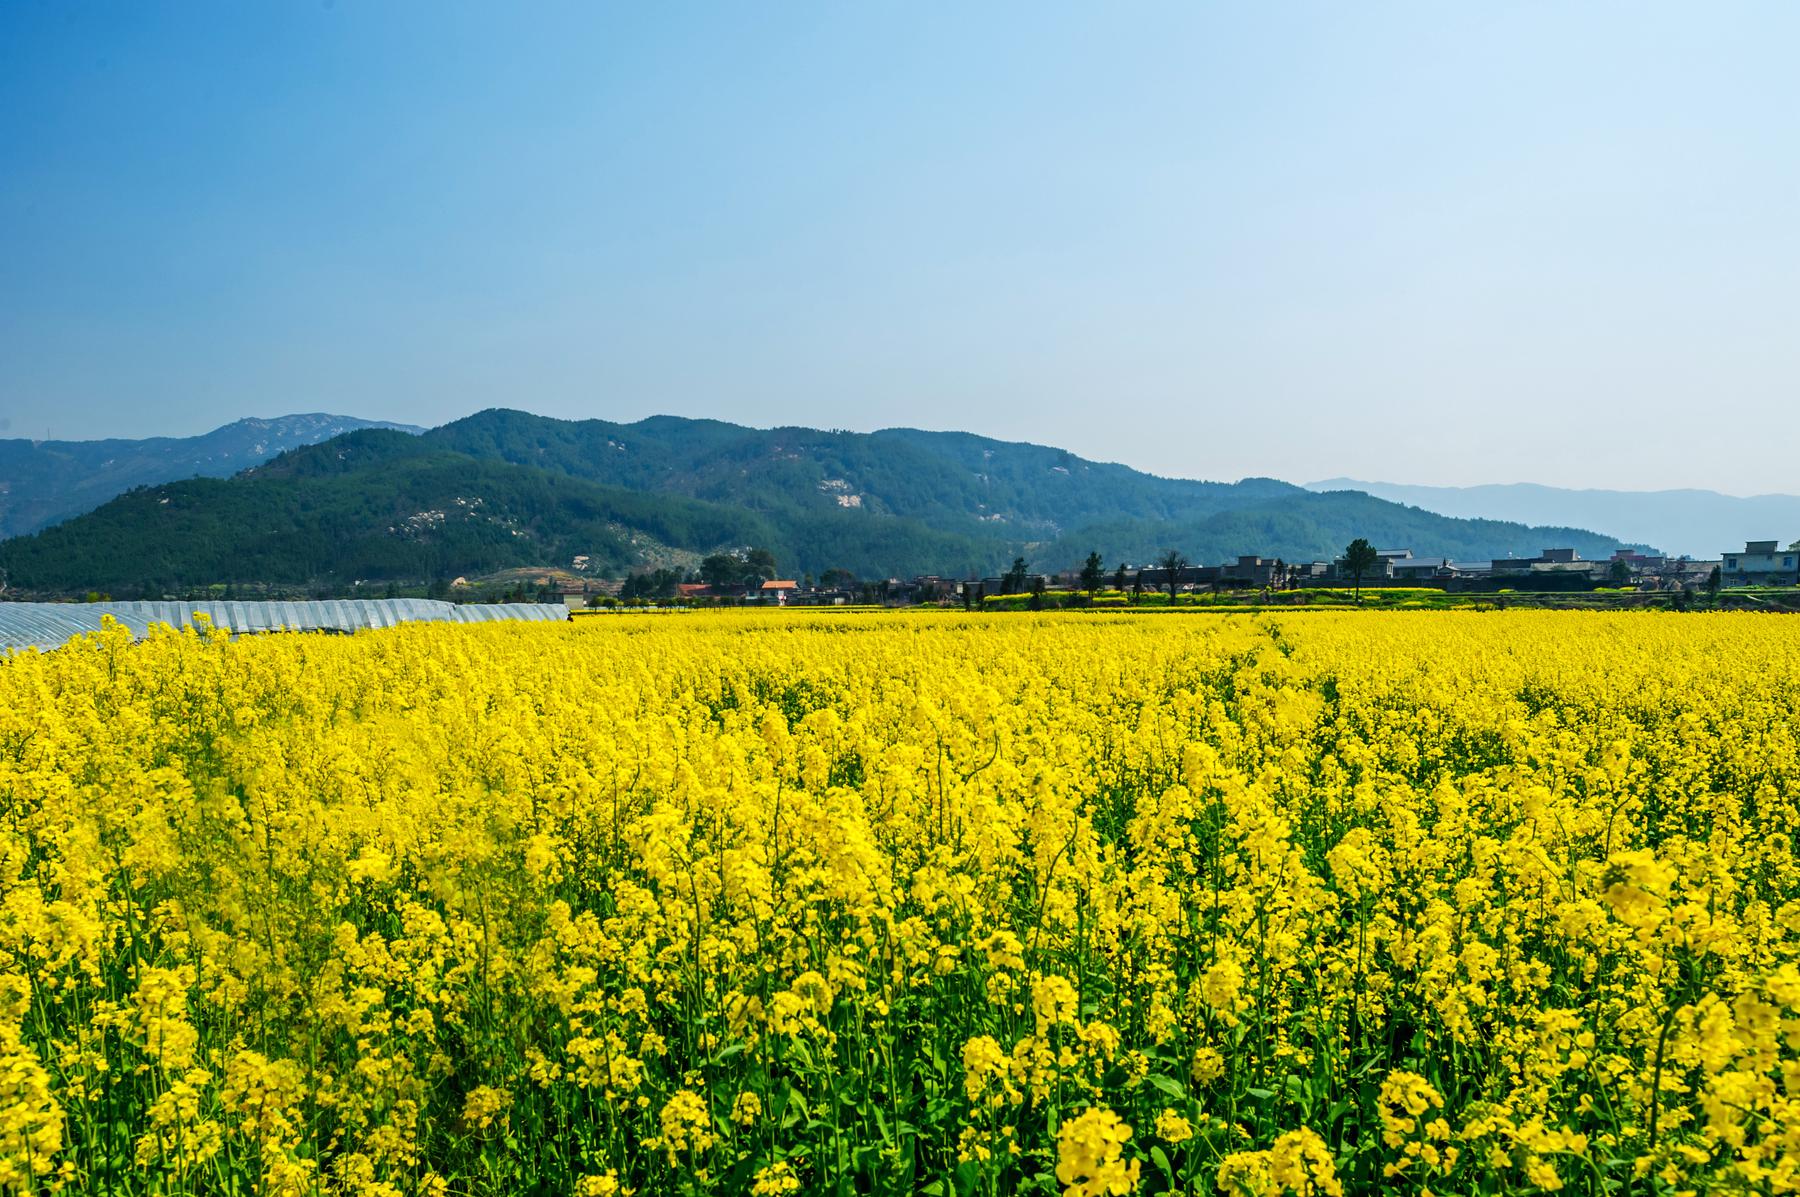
1420	242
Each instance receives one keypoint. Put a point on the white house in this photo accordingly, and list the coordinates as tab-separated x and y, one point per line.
1762	563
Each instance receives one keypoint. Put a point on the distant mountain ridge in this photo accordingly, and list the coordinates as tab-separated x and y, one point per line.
1696	523
1033	491
502	489
44	482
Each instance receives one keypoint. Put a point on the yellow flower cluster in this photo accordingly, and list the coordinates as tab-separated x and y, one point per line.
1298	1164
777	902
1089	1159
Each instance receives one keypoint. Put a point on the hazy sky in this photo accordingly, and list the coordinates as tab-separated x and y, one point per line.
1436	243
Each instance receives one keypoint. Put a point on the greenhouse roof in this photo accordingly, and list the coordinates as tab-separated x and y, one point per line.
50	625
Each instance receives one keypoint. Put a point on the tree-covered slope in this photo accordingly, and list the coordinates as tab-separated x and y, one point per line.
1019	491
1316	527
42	482
386	506
505	489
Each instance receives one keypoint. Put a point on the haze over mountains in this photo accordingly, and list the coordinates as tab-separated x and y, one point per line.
44	482
1694	523
503	489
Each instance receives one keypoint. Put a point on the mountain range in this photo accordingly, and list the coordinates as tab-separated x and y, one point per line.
503	489
45	482
1696	523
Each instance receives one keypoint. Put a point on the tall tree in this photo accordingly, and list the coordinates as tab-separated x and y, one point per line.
1119	577
722	569
1093	573
1173	562
760	563
1359	558
1014	580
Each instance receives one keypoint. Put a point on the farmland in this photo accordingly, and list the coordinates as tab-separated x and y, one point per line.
759	902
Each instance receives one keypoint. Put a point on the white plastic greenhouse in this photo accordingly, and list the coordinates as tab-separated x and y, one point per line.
49	625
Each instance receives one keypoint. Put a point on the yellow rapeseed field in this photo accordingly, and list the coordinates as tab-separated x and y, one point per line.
771	903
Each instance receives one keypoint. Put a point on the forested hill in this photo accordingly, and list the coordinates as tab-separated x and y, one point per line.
1028	492
504	488
43	482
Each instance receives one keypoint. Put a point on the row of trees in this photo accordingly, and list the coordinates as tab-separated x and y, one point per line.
750	568
747	569
1359	560
1093	573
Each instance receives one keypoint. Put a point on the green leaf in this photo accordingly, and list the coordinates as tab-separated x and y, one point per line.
794	1108
1168	1085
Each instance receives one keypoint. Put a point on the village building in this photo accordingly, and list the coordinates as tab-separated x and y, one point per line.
1552	569
777	591
1420	569
1762	563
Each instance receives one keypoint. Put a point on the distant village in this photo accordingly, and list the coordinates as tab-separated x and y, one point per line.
1761	563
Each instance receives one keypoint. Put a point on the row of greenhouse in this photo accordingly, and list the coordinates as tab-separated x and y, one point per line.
50	625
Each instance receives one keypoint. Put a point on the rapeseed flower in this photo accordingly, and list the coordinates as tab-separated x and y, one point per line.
785	898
